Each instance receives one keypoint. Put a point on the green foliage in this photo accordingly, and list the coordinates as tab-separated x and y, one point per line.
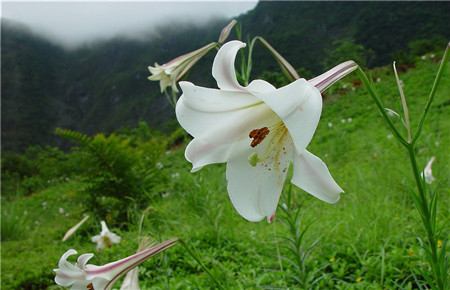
421	47
14	223
121	171
367	240
37	168
28	261
297	244
343	50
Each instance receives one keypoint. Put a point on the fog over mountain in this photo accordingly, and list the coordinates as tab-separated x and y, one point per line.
74	23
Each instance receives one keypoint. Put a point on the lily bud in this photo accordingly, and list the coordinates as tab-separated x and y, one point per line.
226	31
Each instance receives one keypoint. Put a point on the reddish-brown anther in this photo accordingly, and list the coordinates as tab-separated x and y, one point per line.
258	135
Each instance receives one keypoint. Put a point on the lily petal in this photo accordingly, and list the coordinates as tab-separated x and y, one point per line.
83	259
200	153
255	191
223	67
299	105
259	87
218	117
312	175
325	80
214	100
67	274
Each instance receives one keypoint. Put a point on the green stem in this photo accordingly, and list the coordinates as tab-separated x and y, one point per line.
424	208
419	181
374	96
169	98
201	265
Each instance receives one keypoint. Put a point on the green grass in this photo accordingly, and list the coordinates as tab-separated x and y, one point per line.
368	240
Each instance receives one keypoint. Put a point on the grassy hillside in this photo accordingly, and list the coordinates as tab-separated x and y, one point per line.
365	241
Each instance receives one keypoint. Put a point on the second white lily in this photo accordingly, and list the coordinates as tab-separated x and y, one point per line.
258	130
86	276
106	238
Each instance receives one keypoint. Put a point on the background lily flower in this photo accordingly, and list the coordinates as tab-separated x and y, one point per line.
169	74
258	131
427	172
106	238
82	276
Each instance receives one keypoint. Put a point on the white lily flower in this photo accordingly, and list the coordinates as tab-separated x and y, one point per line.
258	130
427	172
106	238
170	73
81	276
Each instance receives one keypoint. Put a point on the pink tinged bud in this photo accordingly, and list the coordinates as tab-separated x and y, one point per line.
325	80
226	31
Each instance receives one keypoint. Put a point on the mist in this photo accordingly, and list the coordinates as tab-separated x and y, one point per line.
73	24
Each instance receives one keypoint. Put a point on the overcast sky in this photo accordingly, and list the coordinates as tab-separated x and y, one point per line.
73	23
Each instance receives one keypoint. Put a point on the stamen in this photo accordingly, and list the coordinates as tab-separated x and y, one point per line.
107	241
258	135
277	131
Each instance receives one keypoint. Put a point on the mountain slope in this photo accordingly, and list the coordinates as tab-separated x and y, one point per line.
103	87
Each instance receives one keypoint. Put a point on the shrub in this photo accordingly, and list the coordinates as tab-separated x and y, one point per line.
120	170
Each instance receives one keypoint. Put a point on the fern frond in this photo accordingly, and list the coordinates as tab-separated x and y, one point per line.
74	136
